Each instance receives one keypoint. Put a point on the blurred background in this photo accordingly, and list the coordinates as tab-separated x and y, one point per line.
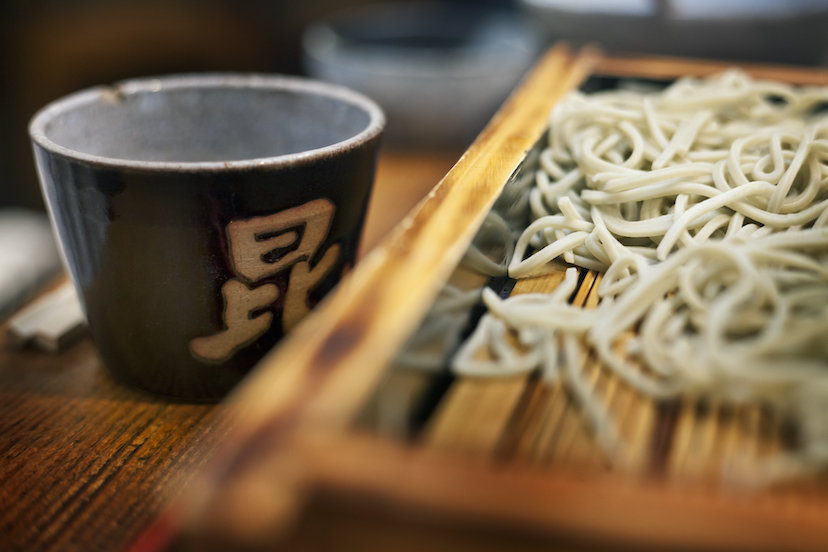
439	72
51	48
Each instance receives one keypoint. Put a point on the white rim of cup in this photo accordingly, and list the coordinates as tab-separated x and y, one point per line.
43	117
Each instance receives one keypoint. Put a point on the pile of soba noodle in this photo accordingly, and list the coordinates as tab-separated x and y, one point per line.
705	206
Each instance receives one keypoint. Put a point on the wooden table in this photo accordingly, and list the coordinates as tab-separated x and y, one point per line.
87	463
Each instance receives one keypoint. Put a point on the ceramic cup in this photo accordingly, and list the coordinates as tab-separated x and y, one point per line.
202	216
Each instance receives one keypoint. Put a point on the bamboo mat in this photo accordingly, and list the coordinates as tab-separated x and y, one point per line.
526	421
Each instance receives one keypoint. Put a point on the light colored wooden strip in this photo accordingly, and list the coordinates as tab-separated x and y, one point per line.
572	431
580	451
641	422
389	409
637	417
606	388
752	424
585	451
524	441
614	396
585	289
570	427
472	417
583	444
702	442
533	411
564	429
630	410
545	283
728	430
682	439
658	67
554	413
685	466
739	461
727	445
769	439
475	413
625	406
524	418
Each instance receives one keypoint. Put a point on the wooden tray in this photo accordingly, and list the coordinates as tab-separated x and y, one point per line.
317	462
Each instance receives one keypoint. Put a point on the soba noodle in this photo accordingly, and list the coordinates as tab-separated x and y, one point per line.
706	208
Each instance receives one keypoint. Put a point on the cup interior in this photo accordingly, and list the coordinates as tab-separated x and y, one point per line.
205	119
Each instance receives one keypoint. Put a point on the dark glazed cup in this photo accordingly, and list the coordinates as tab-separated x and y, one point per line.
202	216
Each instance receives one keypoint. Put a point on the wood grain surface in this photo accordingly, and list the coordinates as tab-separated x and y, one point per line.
665	67
85	463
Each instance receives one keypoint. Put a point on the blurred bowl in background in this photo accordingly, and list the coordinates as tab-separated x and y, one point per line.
769	31
439	70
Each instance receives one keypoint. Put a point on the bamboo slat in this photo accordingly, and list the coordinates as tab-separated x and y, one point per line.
475	415
658	67
527	421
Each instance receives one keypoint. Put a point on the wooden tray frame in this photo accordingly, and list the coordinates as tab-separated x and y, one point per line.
294	435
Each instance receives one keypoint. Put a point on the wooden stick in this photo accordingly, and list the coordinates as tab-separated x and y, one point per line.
665	67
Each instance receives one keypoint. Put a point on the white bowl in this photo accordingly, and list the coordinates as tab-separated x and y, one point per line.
769	31
439	71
